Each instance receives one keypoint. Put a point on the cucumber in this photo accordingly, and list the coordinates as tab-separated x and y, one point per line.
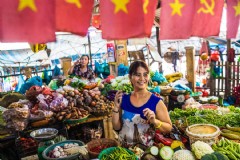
154	150
235	129
230	136
229	131
166	153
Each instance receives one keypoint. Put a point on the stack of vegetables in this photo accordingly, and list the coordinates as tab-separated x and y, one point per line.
219	118
112	85
224	150
44	105
228	148
232	133
122	83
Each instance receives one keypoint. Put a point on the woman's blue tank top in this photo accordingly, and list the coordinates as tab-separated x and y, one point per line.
135	128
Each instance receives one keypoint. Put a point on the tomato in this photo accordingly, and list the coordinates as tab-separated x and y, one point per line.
204	93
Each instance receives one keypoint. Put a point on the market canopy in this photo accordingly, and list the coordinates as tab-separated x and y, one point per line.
22	58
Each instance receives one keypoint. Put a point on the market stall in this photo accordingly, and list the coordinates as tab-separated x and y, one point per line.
69	117
81	111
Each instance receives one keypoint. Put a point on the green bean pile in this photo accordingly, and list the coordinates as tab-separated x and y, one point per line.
119	153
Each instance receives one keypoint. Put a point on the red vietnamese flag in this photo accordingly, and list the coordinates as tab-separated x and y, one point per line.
96	21
207	18
1	6
233	17
149	8
74	15
27	21
122	19
176	19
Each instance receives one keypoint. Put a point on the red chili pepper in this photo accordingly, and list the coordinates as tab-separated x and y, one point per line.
183	139
160	138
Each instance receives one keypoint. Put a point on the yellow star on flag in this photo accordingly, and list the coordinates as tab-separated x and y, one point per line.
27	3
145	5
76	2
237	9
120	5
176	7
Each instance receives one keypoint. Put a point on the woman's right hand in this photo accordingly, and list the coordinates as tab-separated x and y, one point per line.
76	63
118	99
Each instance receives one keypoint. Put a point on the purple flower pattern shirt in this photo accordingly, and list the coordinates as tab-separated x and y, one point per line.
89	74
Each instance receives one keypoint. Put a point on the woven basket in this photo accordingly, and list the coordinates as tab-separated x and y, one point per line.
99	142
209	138
165	90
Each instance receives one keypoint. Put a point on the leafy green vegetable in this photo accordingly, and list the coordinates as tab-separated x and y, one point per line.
194	116
107	87
78	84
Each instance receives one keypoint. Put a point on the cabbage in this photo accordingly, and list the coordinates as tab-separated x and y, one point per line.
183	155
201	148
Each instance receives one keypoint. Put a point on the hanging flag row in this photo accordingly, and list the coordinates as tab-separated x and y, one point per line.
36	21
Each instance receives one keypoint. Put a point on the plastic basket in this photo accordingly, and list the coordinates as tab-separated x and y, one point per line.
108	151
76	121
50	148
99	142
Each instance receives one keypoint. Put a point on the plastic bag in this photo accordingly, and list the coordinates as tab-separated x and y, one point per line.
34	81
53	85
122	70
182	87
58	104
17	118
20	83
56	71
156	89
45	77
99	68
158	77
106	70
42	103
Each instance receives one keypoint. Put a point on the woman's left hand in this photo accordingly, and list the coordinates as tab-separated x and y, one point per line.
150	115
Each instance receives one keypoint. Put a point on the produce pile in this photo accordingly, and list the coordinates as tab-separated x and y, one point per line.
231	132
229	148
26	144
89	100
66	150
223	150
119	83
118	153
194	116
44	106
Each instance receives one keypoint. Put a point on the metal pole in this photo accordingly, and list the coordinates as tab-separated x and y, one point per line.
89	46
158	42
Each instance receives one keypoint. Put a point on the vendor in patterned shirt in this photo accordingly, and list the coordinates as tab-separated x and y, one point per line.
80	68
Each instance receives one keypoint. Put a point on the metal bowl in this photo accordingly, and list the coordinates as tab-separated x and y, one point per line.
44	134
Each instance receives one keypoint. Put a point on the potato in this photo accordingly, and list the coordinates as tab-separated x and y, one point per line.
60	118
68	116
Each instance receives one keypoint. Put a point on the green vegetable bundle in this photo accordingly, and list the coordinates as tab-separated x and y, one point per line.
195	116
117	153
229	148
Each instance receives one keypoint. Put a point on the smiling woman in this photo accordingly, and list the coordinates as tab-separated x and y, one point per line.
140	113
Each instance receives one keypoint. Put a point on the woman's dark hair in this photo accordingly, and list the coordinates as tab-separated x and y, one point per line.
85	56
134	66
